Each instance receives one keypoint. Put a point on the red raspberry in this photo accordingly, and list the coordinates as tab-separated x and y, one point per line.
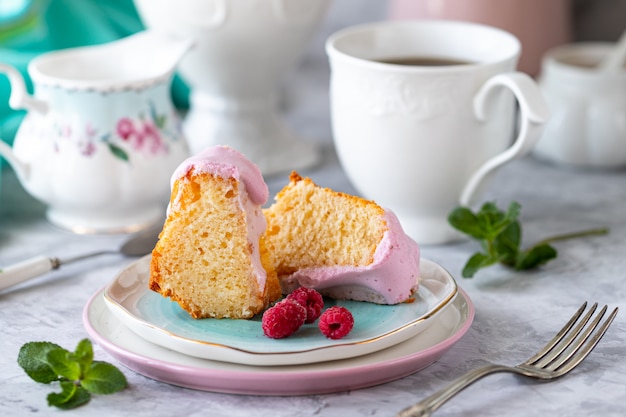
283	319
309	299
336	322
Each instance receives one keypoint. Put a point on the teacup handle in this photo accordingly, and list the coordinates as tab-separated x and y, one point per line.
534	113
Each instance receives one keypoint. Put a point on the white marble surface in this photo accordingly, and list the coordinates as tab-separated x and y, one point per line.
515	312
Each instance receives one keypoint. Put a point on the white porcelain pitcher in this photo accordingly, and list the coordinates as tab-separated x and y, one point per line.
588	129
101	137
244	50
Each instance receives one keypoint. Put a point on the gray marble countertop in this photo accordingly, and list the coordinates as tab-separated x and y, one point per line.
516	312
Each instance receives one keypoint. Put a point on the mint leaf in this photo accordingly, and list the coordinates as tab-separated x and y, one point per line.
535	256
71	396
465	221
78	374
68	389
493	221
476	262
33	358
500	235
103	378
507	244
62	362
83	354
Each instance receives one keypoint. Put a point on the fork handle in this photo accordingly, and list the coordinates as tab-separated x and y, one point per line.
428	405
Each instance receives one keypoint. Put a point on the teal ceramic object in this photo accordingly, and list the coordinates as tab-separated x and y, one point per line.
376	327
370	320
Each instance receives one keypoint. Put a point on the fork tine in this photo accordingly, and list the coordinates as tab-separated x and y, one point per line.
541	353
569	339
583	353
574	347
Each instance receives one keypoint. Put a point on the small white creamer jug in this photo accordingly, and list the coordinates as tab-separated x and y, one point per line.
588	129
101	137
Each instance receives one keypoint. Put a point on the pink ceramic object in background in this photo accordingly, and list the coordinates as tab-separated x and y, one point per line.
538	24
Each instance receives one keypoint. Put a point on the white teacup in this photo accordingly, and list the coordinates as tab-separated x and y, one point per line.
421	138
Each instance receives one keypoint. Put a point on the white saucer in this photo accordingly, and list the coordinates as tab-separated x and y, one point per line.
165	323
175	368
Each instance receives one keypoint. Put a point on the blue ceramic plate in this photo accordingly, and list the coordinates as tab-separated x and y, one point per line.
163	322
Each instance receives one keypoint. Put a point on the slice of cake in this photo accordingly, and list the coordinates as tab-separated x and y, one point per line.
341	245
211	256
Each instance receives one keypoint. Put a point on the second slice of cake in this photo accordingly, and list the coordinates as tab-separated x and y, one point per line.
343	246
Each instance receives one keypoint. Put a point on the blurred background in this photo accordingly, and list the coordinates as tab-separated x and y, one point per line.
31	27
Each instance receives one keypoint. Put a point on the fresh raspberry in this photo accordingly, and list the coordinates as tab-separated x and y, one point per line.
309	299
336	322
283	319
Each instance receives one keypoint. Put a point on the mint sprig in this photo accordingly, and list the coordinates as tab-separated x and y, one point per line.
500	235
78	374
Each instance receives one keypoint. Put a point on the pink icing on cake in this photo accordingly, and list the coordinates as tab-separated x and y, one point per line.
391	278
226	162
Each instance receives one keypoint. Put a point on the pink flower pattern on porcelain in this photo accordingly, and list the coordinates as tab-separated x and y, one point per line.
142	134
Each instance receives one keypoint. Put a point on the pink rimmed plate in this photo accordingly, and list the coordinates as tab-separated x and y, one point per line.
163	322
175	368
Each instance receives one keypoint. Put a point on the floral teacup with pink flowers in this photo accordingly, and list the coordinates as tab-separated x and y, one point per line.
102	137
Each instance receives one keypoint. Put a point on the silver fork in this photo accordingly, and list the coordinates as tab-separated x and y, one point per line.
562	354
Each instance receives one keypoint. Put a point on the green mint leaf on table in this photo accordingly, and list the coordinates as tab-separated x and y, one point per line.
63	364
84	354
500	236
33	358
476	262
535	256
78	374
71	396
103	378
